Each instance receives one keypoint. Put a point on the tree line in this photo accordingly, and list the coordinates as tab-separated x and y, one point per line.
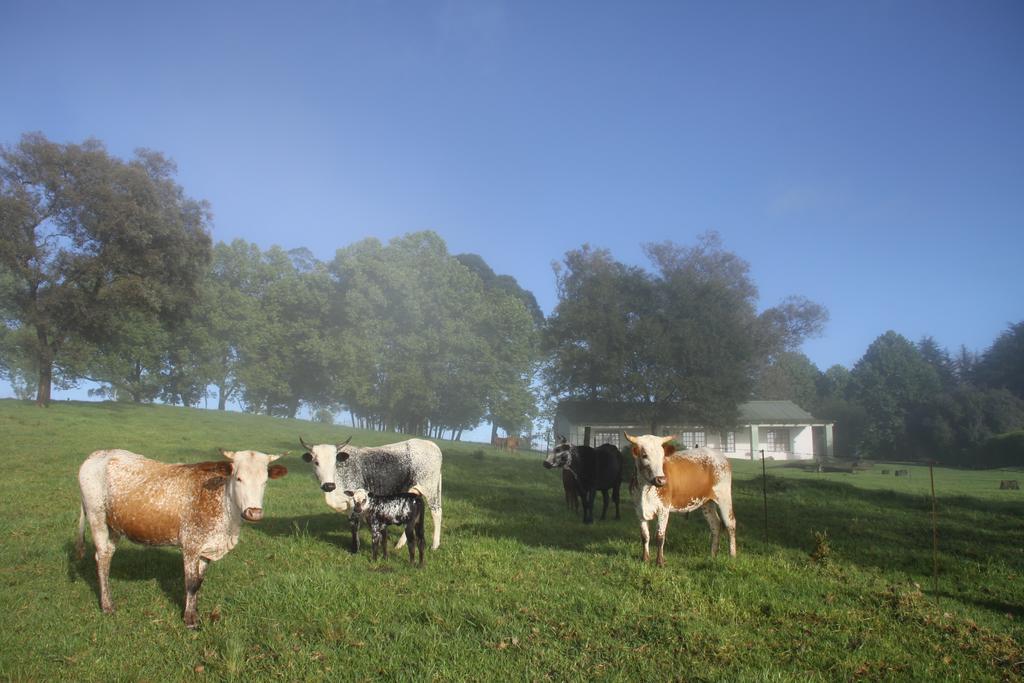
108	274
915	401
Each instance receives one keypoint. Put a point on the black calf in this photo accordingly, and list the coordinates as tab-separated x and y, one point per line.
405	509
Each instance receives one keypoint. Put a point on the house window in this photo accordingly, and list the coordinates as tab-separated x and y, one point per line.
777	440
607	437
729	442
693	439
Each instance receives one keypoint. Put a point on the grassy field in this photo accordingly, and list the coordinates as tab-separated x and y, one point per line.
520	589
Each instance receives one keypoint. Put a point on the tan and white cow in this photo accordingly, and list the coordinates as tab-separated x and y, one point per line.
197	507
669	481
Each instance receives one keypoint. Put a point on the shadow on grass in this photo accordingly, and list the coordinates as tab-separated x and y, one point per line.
875	529
131	563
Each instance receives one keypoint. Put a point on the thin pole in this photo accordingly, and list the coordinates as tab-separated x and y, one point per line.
764	492
935	534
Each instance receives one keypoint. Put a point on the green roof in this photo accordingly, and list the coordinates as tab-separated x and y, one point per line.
773	411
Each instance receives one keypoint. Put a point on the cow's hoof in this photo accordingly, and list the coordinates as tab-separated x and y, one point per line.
108	609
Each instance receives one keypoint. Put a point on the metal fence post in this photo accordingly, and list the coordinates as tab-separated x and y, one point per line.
764	492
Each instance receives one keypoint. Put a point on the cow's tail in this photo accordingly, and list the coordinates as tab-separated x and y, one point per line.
80	539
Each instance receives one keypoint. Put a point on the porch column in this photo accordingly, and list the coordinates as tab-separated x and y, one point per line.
754	446
828	441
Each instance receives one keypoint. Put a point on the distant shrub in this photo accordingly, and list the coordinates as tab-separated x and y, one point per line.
1004	450
822	549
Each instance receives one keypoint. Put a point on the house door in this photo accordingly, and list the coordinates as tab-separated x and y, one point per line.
818	440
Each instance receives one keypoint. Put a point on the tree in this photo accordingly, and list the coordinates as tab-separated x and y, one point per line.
890	381
86	238
833	383
789	376
425	346
284	359
1002	365
228	315
954	425
684	341
940	360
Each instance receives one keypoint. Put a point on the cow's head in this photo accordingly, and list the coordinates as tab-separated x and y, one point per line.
560	455
359	499
249	472
650	452
324	458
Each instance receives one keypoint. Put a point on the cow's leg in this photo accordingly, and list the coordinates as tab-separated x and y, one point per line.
710	511
662	530
105	540
433	501
615	498
80	539
354	523
410	532
375	537
435	517
604	498
645	540
195	571
729	519
589	496
421	541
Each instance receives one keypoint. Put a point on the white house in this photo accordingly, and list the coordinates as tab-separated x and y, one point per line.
784	430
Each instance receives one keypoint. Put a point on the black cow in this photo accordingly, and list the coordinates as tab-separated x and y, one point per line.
594	469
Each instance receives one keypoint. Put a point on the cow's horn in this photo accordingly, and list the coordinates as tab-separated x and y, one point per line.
666	439
305	445
631	439
342	445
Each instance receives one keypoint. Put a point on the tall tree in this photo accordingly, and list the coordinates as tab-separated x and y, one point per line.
940	360
685	340
789	376
86	237
424	344
285	358
890	381
229	315
1002	365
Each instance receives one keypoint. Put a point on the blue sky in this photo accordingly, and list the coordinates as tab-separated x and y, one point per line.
867	155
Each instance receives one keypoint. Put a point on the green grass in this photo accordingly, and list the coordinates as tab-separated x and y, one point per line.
520	589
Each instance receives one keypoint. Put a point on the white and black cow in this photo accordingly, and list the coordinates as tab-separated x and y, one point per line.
594	469
412	466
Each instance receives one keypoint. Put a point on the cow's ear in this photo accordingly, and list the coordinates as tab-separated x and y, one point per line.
342	456
230	455
350	494
669	448
636	451
307	457
276	471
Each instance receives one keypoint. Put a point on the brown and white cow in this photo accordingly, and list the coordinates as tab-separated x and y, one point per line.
196	507
669	481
